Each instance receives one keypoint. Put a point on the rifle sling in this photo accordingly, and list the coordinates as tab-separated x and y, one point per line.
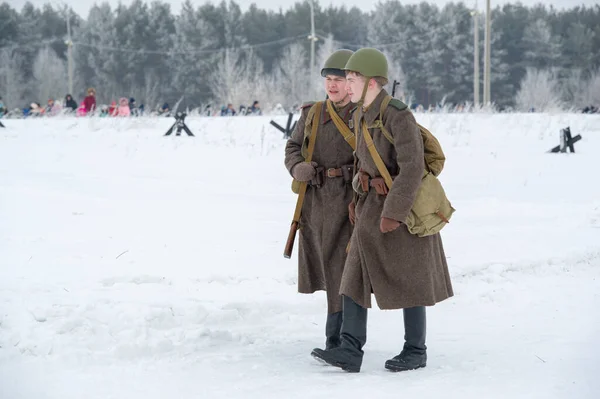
376	157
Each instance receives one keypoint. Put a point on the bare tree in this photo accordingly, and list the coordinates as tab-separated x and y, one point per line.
395	72
591	91
325	50
149	92
11	78
293	75
539	92
50	74
573	86
237	79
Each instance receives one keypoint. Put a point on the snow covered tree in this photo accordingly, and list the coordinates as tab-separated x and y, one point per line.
389	28
50	74
97	64
543	49
191	57
454	45
422	54
580	91
292	76
11	79
395	72
325	49
538	92
578	47
235	79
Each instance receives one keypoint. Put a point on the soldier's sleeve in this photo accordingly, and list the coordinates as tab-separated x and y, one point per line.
410	158
293	147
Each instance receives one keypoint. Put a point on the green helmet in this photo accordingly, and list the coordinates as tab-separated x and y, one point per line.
336	62
368	62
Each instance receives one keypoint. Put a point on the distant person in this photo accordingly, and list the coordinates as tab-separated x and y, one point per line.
81	111
3	110
70	104
229	111
35	109
113	109
53	108
124	107
133	110
89	102
255	108
164	110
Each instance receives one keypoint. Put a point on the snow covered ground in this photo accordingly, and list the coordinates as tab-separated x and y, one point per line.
139	266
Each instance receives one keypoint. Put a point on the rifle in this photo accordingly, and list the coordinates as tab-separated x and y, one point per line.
396	83
289	245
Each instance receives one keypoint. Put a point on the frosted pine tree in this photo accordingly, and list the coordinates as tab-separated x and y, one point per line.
454	48
96	62
422	33
542	48
388	30
191	57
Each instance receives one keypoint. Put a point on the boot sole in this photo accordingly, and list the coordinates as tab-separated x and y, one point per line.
342	366
399	368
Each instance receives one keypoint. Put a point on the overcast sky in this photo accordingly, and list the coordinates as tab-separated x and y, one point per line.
82	6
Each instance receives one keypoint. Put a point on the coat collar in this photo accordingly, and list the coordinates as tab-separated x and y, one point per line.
372	111
345	112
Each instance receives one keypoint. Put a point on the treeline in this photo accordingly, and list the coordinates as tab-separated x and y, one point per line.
215	53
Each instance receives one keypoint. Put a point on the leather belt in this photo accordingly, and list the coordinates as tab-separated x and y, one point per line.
332	172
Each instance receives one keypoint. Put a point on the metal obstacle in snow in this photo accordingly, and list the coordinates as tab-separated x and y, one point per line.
566	141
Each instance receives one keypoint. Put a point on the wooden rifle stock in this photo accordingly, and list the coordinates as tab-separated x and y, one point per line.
289	245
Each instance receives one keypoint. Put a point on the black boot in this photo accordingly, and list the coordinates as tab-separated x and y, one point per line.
332	330
414	353
348	356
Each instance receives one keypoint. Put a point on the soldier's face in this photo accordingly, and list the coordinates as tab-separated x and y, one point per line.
335	86
355	84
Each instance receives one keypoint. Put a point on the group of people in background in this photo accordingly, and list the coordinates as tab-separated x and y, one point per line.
123	108
229	110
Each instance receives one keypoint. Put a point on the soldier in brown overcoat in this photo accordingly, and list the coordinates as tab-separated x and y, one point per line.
402	270
325	228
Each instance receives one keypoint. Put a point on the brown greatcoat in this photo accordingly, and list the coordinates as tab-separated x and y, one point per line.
401	269
325	229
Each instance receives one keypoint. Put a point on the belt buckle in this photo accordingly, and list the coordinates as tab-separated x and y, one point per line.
328	172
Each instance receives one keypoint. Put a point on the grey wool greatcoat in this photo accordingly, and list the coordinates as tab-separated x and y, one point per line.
325	228
399	268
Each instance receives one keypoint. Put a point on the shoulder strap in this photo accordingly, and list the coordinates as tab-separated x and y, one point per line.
341	126
311	120
313	132
376	157
379	122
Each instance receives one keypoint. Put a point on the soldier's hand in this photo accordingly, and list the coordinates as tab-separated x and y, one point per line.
352	212
304	171
379	185
387	225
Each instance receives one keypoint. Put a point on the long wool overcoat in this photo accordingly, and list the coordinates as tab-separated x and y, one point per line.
399	268
325	228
